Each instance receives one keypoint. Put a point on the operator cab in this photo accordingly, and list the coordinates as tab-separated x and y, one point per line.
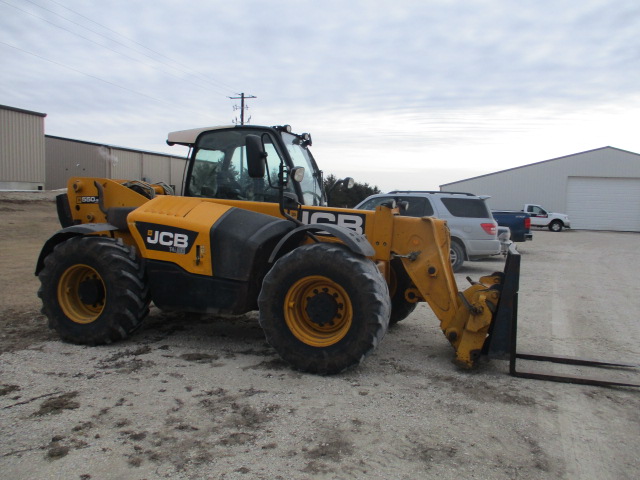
219	165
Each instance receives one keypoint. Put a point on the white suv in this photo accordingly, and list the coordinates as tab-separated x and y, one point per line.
473	229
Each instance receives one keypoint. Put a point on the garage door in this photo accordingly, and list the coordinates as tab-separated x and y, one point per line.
604	203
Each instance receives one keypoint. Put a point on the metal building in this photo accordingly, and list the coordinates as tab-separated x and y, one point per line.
66	158
22	152
599	189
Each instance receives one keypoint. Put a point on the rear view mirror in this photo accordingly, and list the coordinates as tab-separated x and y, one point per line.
256	156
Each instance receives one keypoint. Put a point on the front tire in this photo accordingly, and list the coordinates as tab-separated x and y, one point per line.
323	308
400	281
93	290
556	226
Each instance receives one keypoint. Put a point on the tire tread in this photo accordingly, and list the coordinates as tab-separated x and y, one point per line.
367	282
127	289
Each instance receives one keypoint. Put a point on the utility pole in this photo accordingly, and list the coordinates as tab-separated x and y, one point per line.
242	107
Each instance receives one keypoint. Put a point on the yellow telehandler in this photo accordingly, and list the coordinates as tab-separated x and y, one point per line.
252	231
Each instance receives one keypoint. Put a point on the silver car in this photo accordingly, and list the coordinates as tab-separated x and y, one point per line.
473	229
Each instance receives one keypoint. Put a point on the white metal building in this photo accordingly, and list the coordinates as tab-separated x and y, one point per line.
599	189
22	157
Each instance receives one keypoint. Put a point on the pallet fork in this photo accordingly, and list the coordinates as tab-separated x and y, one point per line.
501	342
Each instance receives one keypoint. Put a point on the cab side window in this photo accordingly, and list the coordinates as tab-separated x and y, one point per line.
220	168
235	180
537	211
204	176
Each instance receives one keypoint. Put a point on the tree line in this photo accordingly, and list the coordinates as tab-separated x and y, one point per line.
339	196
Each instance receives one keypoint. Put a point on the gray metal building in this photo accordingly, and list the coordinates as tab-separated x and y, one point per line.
599	189
66	158
31	160
22	152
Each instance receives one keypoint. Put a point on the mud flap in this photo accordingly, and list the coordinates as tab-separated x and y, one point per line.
501	341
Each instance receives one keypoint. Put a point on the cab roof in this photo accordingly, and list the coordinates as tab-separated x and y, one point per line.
188	137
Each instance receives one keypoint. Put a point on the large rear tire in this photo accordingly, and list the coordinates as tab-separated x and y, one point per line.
323	308
93	290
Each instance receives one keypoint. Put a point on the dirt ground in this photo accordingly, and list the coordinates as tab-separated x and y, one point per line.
196	397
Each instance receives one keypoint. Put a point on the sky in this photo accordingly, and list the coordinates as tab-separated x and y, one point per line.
400	95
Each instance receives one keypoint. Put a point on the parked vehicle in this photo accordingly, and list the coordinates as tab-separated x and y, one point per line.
541	218
473	229
518	222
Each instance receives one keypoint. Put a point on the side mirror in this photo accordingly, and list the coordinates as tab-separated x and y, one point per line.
256	156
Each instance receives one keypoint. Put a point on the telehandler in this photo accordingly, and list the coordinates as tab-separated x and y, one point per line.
252	231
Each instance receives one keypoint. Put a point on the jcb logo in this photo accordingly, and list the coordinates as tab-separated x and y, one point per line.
352	221
168	239
87	199
165	238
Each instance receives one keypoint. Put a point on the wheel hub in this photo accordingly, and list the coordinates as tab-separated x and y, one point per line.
91	291
318	311
81	293
322	308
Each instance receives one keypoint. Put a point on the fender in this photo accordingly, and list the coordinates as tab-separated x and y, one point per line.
67	233
356	242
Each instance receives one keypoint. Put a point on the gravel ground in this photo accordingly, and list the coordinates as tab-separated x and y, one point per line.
204	397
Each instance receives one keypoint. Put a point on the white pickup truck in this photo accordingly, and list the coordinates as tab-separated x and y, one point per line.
541	218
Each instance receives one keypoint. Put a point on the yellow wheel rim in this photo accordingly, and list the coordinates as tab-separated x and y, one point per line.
81	294
318	311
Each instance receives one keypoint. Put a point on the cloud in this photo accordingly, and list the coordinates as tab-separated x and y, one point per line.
419	84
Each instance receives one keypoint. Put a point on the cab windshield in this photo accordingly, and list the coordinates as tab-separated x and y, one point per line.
311	185
219	168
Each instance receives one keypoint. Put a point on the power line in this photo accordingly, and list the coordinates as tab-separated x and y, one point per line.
96	78
99	44
208	80
193	74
